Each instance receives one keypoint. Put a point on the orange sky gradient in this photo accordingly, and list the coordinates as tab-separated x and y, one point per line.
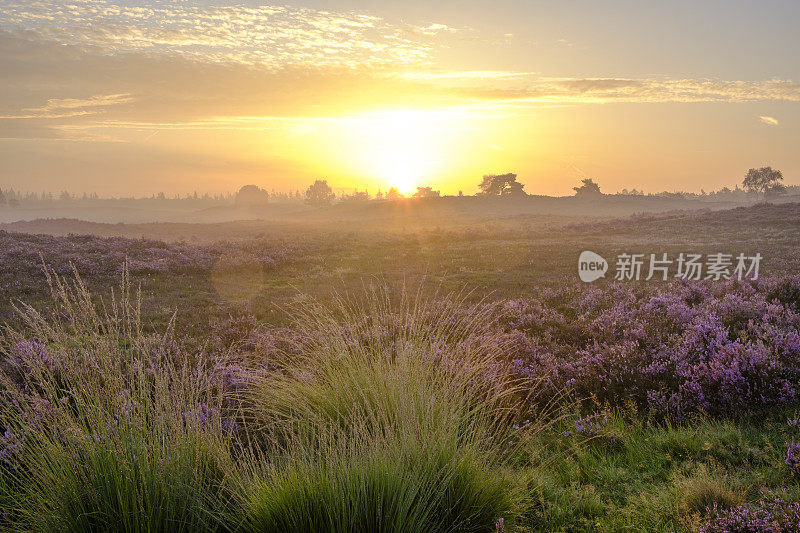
135	98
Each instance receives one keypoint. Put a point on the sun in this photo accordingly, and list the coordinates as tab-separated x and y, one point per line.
400	168
402	148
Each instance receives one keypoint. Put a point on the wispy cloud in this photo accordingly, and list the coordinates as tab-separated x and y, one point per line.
56	104
463	75
260	36
91	66
431	30
275	37
71	107
655	90
530	88
770	121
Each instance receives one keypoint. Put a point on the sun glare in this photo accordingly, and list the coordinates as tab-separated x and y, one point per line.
403	148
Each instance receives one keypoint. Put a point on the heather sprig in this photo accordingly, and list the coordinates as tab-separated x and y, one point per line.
775	513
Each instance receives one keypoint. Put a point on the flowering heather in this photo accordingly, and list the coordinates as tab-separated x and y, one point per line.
673	349
588	426
772	515
793	457
676	349
354	412
21	256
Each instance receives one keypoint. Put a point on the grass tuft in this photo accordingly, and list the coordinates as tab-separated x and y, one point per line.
394	419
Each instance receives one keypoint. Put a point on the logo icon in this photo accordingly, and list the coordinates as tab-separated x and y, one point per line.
591	266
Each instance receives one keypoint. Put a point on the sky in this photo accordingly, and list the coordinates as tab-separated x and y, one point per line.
136	98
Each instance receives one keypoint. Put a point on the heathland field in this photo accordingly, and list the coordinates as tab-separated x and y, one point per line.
448	375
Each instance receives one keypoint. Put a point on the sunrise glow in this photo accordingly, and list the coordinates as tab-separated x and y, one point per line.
279	96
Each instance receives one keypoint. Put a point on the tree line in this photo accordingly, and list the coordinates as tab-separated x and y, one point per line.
765	182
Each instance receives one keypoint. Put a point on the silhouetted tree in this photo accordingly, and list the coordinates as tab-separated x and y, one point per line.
501	185
776	189
393	194
764	180
357	196
319	193
3	198
250	195
589	188
426	192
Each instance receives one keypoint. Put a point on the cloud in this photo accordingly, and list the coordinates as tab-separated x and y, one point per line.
235	60
770	121
538	90
462	75
155	88
68	91
71	107
431	30
261	36
56	104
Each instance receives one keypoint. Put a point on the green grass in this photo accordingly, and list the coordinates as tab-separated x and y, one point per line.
108	425
378	438
401	422
641	476
376	434
362	431
396	483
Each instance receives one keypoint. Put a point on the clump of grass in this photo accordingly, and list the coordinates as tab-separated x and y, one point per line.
701	490
106	427
396	417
